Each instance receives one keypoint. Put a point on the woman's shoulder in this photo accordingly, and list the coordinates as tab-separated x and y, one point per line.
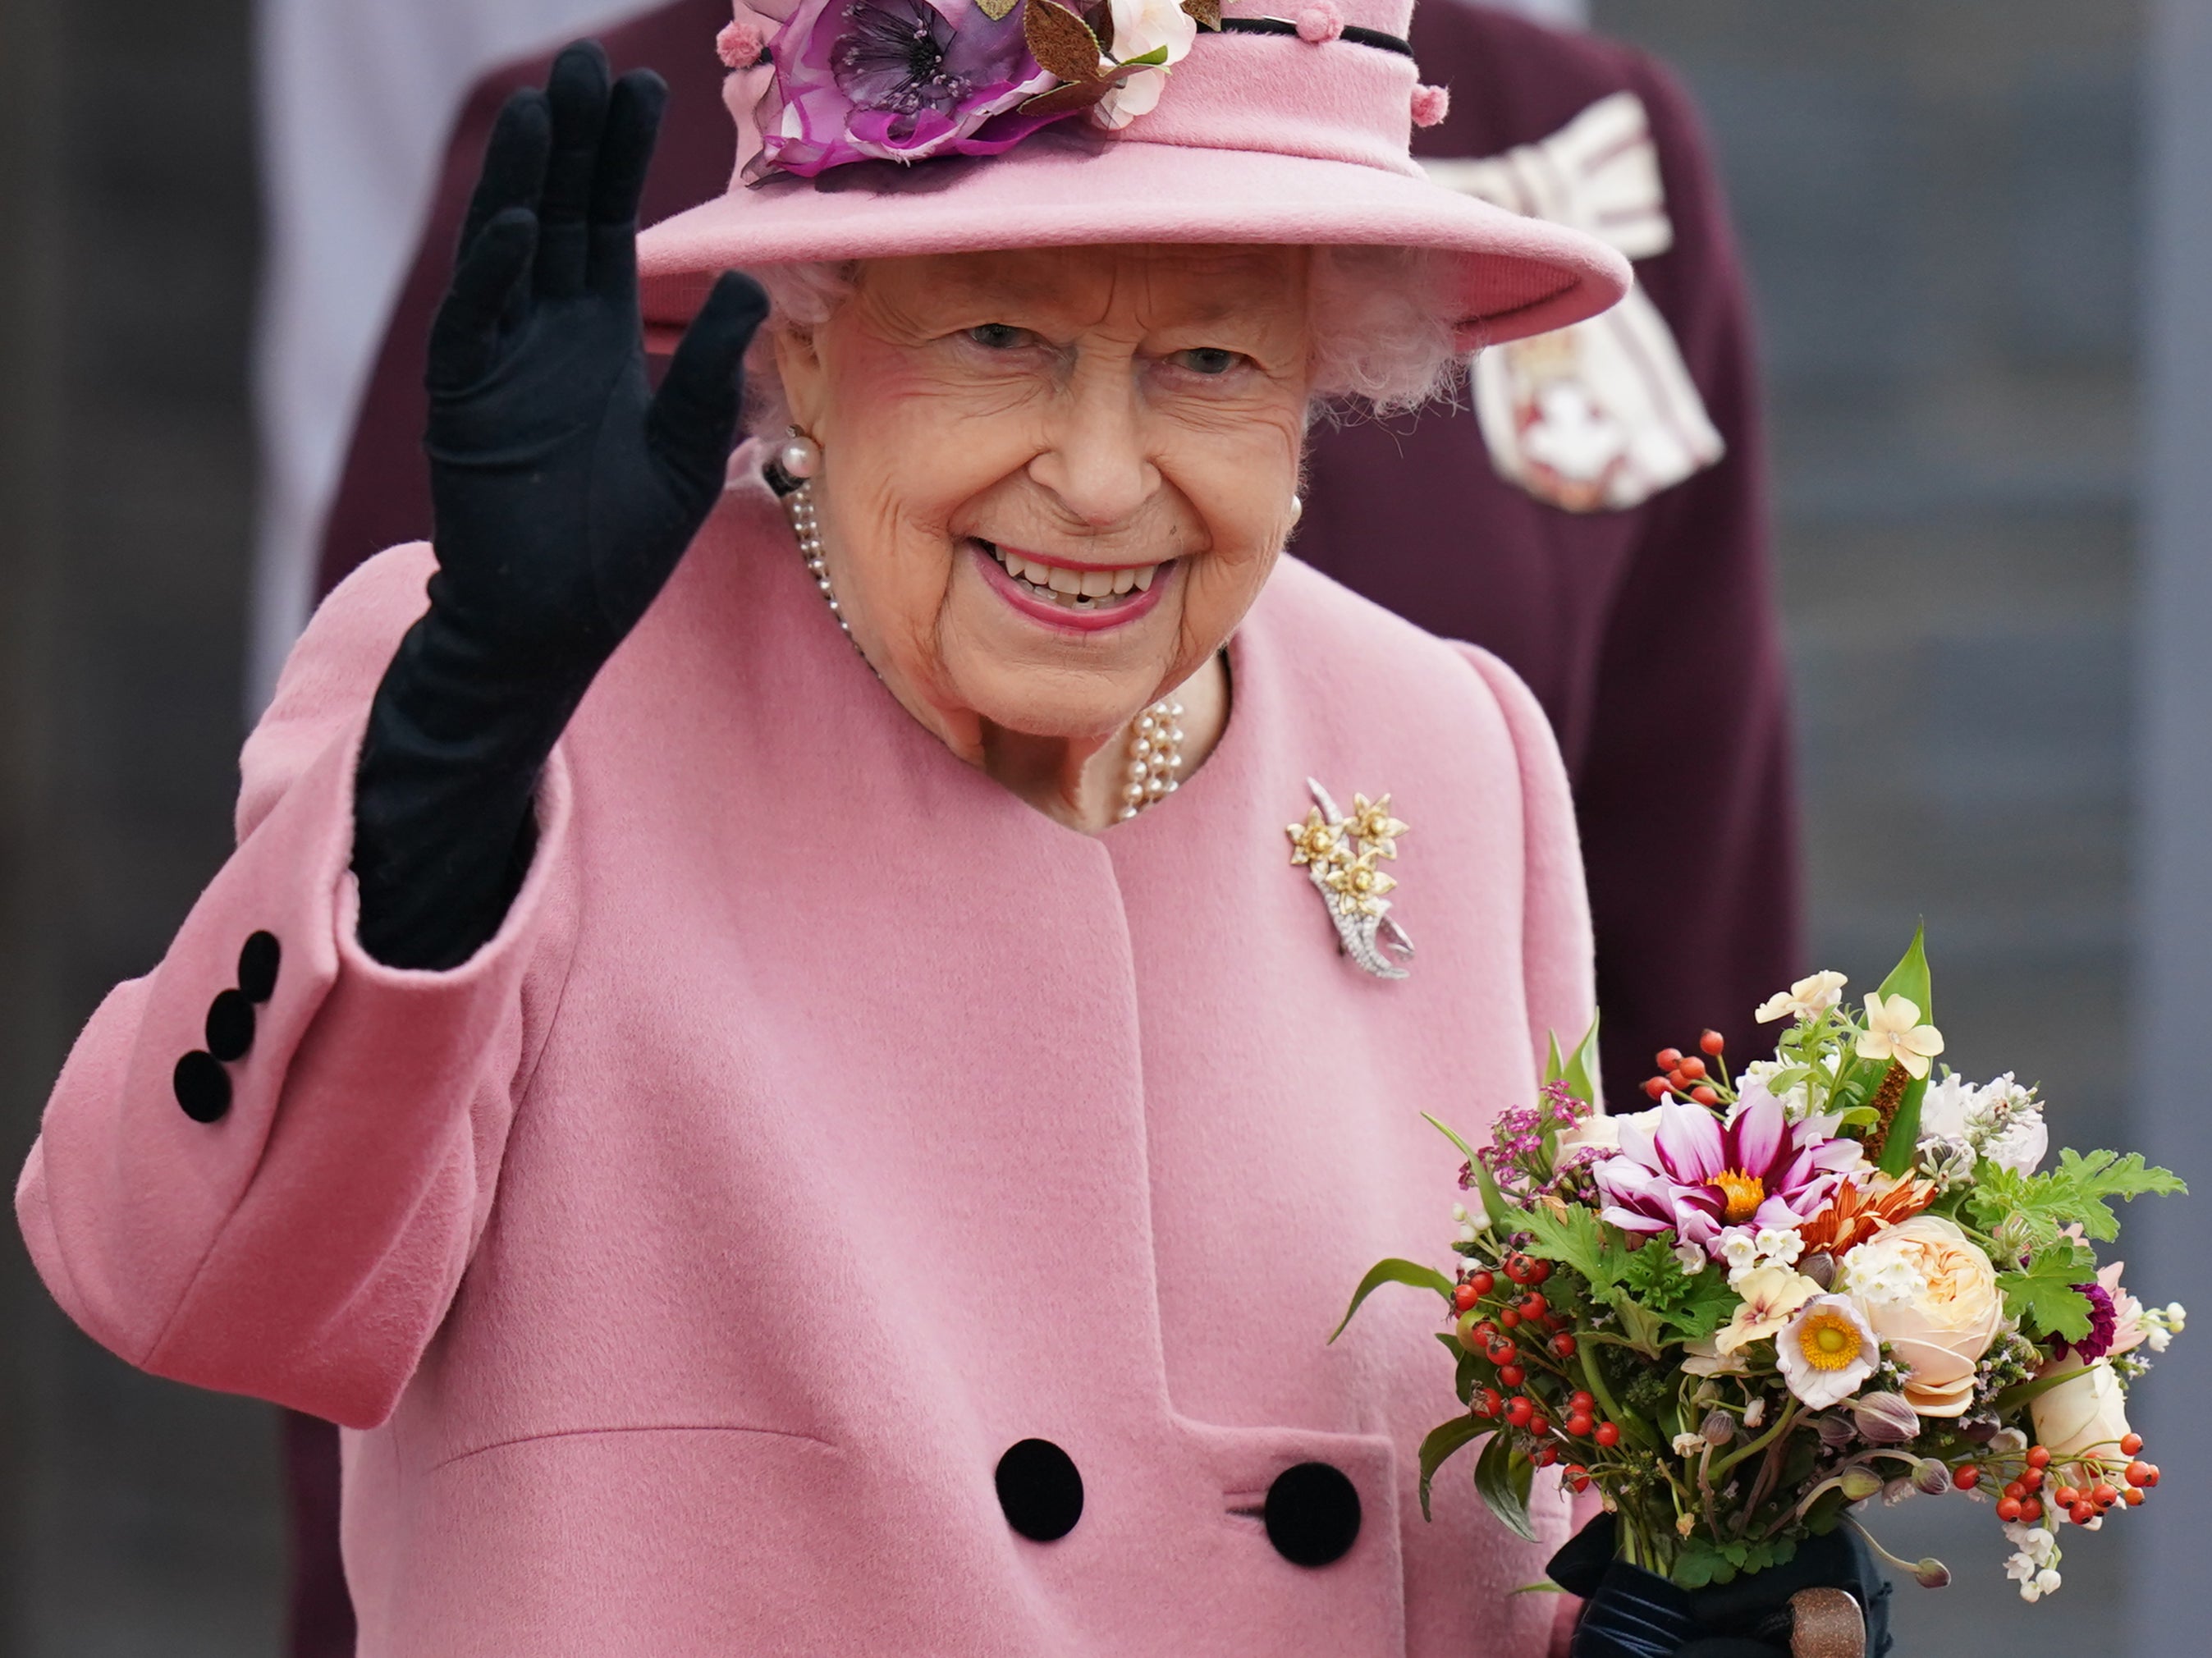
1320	621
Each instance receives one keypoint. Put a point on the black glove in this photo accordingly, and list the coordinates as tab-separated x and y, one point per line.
564	489
1629	1613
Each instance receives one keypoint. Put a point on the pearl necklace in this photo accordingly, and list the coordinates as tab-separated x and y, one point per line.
1155	749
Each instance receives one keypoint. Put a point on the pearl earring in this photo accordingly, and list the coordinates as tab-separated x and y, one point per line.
1298	508
800	457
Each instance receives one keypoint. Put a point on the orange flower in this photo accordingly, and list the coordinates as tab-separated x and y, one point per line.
1851	1217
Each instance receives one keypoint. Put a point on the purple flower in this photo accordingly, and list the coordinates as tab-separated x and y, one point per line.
1681	1169
895	81
2104	1323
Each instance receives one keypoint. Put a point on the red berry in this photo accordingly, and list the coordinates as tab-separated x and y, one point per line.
2081	1514
2138	1473
2037	1457
1545	1454
1579	1425
1518	1410
2132	1497
1713	1041
1967	1476
1501	1351
1487	1401
1577	1476
1693	1068
2150	1473
1464	1295
1668	1057
2066	1496
1538	1271
2105	1495
2130	1445
1516	1268
1533	1305
1509	1319
1483	1282
1540	1424
1480	1333
1511	1374
2031	1510
1677	1081
2032	1480
1705	1096
2008	1508
1607	1434
1563	1345
1657	1087
2015	1491
1583	1400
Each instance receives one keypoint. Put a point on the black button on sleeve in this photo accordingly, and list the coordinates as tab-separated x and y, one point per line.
202	1086
230	1026
1041	1491
257	966
1313	1514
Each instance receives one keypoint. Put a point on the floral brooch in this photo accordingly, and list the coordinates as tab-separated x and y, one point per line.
1342	857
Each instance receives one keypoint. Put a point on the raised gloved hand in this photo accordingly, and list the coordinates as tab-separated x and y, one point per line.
565	491
1629	1613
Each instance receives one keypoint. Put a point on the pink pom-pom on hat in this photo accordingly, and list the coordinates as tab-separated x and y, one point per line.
739	43
1431	105
1320	23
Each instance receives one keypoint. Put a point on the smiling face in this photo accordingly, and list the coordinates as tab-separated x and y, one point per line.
1053	480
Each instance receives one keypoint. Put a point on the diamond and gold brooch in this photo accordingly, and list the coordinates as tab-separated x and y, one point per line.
1343	855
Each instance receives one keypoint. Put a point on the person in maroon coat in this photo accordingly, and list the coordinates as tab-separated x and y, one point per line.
1594	515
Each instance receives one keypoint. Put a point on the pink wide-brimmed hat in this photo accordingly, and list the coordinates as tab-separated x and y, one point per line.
872	128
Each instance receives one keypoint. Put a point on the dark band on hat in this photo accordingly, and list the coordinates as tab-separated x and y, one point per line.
1352	32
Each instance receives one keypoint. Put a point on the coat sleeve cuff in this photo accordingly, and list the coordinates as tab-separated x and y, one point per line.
270	1150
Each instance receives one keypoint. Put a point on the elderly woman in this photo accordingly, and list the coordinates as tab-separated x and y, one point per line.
764	1047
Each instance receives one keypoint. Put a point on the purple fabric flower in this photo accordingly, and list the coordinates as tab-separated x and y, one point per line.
895	81
1681	1169
2104	1322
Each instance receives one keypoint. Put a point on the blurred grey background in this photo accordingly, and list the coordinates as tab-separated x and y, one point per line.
1976	229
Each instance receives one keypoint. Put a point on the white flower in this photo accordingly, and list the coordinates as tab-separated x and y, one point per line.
1770	1295
1689	1444
1779	1246
1878	1276
1756	1412
1895	1032
1740	1251
2085	1415
1948	1110
1808	999
1141	26
2019	1568
2034	1542
1691	1258
2047	1580
1827	1352
1759	1078
1459	1213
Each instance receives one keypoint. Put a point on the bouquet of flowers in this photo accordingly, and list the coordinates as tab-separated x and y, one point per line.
1767	1298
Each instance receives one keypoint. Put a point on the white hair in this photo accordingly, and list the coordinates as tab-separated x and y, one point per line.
1382	331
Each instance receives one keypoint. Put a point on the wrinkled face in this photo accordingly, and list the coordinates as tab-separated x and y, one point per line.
1053	480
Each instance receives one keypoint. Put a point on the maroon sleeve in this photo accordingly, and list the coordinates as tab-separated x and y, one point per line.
1688	802
384	492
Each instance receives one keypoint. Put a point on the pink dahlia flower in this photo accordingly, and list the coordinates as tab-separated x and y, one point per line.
1681	1170
895	81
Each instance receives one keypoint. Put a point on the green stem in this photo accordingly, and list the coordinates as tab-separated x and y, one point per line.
1782	1424
1628	1425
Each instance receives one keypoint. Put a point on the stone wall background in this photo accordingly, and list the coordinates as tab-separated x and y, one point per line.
1938	200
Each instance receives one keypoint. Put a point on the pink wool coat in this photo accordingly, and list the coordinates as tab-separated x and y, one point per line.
823	1121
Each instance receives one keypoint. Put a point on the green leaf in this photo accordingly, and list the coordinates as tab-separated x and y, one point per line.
1446	1441
1576	1239
1451	1135
2079	1192
2043	1296
1394	1271
1501	1478
1909	979
1582	1072
1547	1587
1151	59
1555	1065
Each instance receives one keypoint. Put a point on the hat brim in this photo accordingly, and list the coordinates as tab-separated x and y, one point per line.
1513	275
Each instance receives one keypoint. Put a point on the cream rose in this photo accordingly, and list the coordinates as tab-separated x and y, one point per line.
1932	1297
2085	1415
